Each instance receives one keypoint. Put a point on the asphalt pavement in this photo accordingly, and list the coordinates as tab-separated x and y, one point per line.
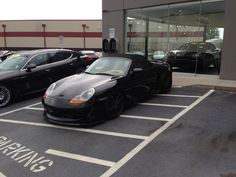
188	132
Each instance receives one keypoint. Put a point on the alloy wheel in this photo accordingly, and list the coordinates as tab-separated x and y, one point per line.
116	105
5	96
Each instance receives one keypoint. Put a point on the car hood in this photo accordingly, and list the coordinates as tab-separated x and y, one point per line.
74	85
178	51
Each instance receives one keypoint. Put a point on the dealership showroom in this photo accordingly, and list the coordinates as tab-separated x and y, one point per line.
166	28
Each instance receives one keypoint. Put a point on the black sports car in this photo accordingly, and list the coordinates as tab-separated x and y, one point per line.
202	54
34	70
104	88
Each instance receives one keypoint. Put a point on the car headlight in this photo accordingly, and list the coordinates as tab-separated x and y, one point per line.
179	54
49	90
83	97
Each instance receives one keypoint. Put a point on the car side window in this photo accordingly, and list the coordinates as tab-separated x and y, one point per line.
76	55
39	60
59	56
144	64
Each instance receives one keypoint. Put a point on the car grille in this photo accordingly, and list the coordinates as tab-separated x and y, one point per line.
65	113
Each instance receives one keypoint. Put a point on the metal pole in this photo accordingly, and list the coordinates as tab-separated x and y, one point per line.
1	33
130	35
44	35
146	37
84	26
4	36
200	13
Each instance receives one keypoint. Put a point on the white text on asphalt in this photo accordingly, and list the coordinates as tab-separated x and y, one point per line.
28	158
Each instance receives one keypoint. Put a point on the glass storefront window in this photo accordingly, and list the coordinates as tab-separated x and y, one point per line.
158	36
189	35
136	33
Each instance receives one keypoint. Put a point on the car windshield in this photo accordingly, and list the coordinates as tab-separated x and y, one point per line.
114	66
159	53
14	62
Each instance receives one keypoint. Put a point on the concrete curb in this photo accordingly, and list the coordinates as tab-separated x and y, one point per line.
215	87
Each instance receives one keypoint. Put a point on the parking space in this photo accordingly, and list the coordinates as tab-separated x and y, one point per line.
32	147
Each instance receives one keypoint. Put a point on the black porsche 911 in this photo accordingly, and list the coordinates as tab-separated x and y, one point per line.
102	91
202	54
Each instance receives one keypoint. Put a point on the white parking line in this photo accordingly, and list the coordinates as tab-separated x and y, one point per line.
37	109
9	112
124	116
137	149
145	118
80	157
2	175
181	96
109	133
176	86
165	105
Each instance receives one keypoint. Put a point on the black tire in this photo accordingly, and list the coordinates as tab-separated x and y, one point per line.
115	105
91	116
207	60
217	65
165	83
204	66
5	95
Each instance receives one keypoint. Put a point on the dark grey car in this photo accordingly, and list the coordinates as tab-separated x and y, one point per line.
30	71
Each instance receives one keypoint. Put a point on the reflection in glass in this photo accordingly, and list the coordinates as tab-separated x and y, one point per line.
196	24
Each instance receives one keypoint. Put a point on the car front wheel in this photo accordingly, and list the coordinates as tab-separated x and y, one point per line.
5	96
165	83
115	105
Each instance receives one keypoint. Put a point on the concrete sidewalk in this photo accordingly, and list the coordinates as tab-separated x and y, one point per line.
205	81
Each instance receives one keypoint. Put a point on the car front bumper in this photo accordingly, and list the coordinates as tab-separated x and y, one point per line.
180	62
74	115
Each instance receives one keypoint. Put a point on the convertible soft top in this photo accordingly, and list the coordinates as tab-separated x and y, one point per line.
130	56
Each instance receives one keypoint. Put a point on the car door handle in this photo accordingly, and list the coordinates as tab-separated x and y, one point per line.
47	70
23	77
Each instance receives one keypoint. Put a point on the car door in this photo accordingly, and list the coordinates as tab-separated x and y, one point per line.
38	77
139	81
62	64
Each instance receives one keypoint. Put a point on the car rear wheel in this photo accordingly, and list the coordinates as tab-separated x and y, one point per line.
206	61
5	96
115	105
165	83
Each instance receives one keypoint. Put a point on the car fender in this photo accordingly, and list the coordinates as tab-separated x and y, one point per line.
101	89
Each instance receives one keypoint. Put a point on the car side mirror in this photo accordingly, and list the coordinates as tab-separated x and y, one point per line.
30	67
137	70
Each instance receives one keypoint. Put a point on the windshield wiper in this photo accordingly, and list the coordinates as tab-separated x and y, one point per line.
89	73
